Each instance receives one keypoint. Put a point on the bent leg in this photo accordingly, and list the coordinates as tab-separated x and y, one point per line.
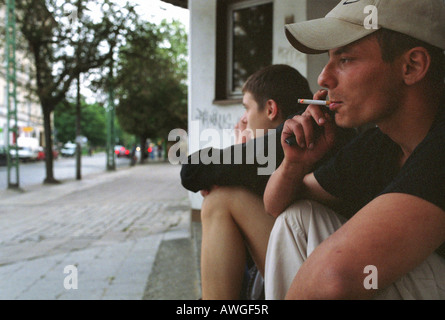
231	219
304	225
425	282
296	233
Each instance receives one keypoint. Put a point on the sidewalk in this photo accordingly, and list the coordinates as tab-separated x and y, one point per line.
118	229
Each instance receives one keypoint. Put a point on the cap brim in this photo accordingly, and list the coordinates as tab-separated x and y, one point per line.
320	35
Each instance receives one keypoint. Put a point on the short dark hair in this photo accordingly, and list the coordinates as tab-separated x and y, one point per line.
281	83
393	44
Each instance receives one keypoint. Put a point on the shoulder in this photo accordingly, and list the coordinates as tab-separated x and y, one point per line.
423	174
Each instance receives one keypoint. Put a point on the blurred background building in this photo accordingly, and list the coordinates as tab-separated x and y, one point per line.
29	112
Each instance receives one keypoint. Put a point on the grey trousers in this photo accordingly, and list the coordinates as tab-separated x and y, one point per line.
304	225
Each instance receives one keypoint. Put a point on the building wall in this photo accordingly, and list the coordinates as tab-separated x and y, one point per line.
315	63
204	113
29	113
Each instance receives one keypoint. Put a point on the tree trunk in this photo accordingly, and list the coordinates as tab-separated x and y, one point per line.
142	142
78	130
49	159
78	133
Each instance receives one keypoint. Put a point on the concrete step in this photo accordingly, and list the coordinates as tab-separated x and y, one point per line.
176	273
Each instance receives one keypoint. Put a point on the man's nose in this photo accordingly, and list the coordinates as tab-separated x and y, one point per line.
327	79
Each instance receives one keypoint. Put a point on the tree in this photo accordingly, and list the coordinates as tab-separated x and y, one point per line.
151	81
64	41
92	121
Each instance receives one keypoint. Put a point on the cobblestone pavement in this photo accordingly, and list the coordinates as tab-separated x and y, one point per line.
109	226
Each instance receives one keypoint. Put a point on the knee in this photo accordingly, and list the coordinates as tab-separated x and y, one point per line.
305	215
297	212
216	203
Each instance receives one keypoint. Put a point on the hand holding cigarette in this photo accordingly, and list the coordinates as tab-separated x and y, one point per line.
292	140
309	136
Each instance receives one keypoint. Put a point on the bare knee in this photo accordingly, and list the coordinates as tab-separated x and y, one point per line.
226	201
217	203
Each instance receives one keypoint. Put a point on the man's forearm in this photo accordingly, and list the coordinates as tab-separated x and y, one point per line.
284	187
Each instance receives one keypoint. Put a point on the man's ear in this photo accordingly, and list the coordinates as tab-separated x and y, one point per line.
417	62
272	109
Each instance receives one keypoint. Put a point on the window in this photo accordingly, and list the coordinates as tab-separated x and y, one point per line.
244	43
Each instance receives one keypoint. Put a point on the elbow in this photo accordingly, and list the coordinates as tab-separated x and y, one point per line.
271	210
330	284
275	208
273	213
336	289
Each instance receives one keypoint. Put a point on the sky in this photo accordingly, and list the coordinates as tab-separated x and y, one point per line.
156	10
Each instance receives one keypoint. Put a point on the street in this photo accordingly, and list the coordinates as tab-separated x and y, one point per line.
103	234
64	169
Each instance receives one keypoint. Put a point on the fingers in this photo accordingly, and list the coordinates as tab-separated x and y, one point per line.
240	135
306	128
293	133
303	129
204	193
241	125
318	113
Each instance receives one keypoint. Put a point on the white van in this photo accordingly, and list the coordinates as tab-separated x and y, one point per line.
28	149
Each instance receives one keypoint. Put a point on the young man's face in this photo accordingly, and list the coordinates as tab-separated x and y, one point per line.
255	118
361	86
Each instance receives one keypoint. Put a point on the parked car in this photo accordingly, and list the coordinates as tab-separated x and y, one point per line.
3	155
24	153
68	150
41	155
121	151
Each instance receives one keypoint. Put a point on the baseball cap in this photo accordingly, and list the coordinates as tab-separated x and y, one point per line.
421	19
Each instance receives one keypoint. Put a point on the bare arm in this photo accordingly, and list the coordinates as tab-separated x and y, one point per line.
289	181
395	233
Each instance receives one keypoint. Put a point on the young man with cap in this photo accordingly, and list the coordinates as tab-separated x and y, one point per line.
391	178
233	216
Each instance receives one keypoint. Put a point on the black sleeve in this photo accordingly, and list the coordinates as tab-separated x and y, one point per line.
360	170
233	166
197	175
423	174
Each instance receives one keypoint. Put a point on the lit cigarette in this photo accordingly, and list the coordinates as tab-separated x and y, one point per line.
317	102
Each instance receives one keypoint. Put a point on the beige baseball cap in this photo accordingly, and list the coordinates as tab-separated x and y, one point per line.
347	22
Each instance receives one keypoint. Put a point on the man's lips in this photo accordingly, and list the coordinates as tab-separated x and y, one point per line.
335	105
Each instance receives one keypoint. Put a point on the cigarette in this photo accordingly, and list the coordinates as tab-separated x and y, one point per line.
317	102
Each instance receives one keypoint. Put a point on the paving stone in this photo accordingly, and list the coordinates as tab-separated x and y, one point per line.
109	226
